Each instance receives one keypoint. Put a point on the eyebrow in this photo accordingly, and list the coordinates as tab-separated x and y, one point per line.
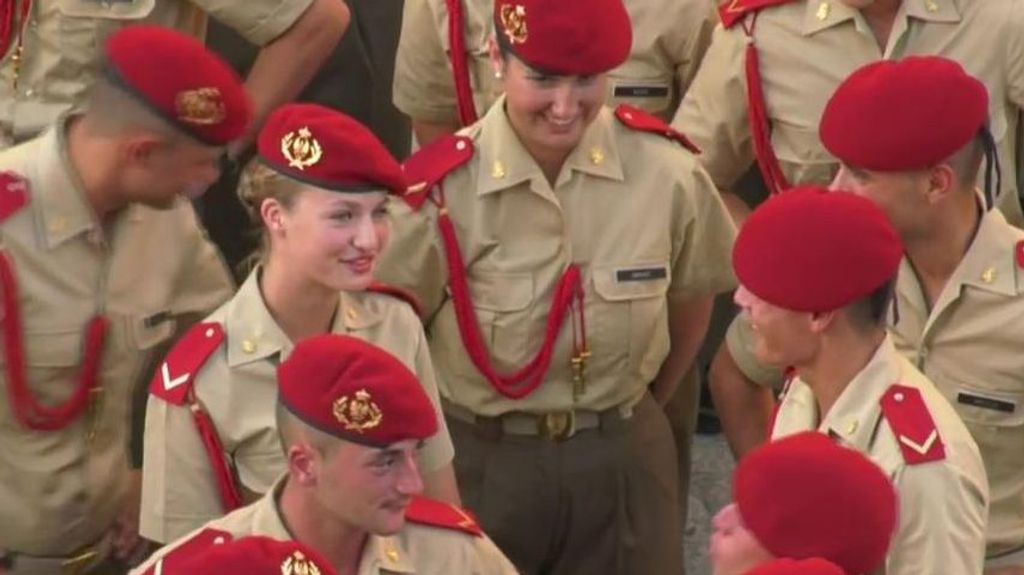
345	203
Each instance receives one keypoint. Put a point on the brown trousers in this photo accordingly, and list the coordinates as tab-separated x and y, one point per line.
604	501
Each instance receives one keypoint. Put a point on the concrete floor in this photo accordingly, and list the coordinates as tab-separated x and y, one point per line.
710	490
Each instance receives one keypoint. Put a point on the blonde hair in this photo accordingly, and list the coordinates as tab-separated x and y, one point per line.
257	184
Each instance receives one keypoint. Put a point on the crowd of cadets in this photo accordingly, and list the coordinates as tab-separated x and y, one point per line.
484	357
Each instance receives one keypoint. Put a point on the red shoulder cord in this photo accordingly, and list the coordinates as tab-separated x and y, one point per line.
760	129
460	66
13	17
30	412
526	379
230	496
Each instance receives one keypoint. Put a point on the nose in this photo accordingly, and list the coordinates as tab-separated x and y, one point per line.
367	237
742	297
719	520
410	482
840	180
565	101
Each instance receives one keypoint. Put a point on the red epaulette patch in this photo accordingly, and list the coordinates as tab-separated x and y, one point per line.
397	292
732	11
912	424
643	121
1019	252
171	562
427	511
173	380
430	165
13	194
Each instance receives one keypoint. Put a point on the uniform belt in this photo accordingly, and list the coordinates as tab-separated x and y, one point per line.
551	425
82	561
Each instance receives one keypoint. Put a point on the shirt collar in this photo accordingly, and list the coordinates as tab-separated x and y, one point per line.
63	208
266	518
823	14
385	554
505	162
254	335
989	263
855	414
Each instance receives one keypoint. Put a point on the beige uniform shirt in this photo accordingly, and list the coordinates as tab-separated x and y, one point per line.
61	490
669	40
238	387
416	548
807	48
63	44
634	210
942	504
970	347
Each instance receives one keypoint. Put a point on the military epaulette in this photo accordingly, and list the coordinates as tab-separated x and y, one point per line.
912	424
173	380
642	121
397	292
427	511
13	194
431	164
1018	251
732	11
170	562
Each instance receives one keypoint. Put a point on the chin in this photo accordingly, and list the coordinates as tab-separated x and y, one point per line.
389	523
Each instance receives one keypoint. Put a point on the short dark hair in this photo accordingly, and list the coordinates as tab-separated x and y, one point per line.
871	311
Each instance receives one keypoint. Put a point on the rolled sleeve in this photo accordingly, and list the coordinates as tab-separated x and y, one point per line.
258	21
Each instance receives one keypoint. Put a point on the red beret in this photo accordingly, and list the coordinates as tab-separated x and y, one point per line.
351	389
329	150
793	567
804	496
254	555
904	115
182	81
812	250
572	37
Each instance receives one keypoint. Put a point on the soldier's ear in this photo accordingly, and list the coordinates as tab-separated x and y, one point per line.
272	214
302	464
940	184
138	149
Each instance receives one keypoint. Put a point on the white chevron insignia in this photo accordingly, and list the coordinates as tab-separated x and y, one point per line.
169	383
921	448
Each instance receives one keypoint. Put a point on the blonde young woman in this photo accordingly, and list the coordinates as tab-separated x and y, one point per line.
319	190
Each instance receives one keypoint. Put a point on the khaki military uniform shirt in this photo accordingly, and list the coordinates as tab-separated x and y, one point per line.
415	549
238	387
669	40
143	268
63	45
942	504
968	345
634	210
808	48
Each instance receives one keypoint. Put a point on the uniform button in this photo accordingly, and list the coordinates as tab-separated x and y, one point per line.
897	397
218	541
209	332
460	145
29	93
248	346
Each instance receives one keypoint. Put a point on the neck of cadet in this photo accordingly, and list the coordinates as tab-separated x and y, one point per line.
843	352
300	307
93	160
340	543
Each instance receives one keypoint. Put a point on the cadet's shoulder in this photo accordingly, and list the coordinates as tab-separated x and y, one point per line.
433	163
15	194
732	12
441	516
167	560
388	297
176	376
641	126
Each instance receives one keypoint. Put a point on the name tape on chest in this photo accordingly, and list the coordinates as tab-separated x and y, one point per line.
641	274
985	402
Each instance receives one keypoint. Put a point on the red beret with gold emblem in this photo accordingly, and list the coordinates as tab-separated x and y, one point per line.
804	496
911	114
354	390
812	250
327	149
182	81
566	37
797	567
254	555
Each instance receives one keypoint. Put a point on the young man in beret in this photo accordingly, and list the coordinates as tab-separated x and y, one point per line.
816	295
351	418
102	261
960	286
804	497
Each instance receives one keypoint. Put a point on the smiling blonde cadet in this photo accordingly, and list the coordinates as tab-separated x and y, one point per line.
567	255
351	419
320	191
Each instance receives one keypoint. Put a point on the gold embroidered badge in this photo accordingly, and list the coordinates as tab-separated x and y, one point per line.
202	106
298	564
301	149
359	414
513	20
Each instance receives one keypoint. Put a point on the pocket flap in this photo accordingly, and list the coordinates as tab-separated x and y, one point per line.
112	9
985	407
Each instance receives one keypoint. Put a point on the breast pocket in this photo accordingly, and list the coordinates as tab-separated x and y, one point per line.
85	24
52	361
629	316
502	303
802	156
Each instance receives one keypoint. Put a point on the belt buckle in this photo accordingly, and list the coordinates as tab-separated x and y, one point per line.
556	425
79	564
